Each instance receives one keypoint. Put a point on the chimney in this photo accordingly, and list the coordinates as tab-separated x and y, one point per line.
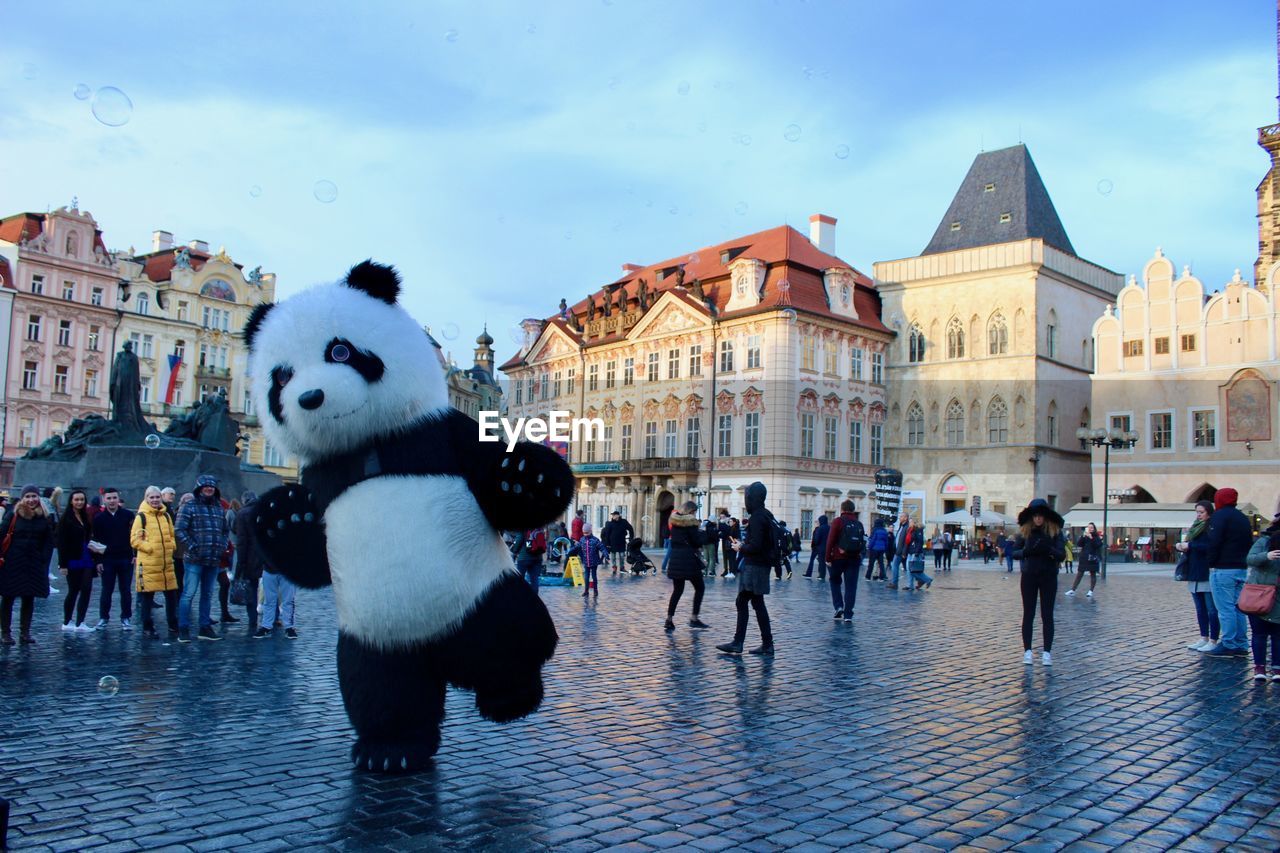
532	328
161	240
822	232
631	267
199	246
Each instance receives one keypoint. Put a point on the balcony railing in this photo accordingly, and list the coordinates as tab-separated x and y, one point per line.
205	371
655	465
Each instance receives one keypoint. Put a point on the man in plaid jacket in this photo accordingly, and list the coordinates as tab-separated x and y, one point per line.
202	531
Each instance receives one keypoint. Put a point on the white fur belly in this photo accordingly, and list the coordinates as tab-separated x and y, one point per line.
409	557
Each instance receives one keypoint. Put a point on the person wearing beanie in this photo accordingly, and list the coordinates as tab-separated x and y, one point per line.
686	565
590	550
1230	538
1041	547
24	577
759	552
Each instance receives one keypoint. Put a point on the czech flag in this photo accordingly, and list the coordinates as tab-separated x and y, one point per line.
175	362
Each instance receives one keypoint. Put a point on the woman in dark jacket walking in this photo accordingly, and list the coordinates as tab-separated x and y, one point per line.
818	548
758	552
75	563
1041	547
25	573
1196	547
686	563
248	561
1089	549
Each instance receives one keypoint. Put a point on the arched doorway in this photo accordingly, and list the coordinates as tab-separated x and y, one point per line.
953	493
666	503
1204	493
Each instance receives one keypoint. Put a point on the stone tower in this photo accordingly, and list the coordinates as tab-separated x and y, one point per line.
1269	194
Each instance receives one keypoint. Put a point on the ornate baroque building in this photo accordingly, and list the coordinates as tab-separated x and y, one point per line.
989	375
473	389
761	358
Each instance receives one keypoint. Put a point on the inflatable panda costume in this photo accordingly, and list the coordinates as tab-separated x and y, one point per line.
400	508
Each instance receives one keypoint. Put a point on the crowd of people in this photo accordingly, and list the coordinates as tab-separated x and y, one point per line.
176	549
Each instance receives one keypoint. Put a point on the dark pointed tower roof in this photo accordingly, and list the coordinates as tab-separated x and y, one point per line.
1002	199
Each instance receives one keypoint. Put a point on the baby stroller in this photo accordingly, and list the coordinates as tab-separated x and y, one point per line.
637	562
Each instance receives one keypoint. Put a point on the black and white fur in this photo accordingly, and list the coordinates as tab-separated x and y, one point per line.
399	508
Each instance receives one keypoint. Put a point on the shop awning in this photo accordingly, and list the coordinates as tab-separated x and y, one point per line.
1158	516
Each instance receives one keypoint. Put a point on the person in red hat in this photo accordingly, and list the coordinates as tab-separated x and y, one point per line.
1230	538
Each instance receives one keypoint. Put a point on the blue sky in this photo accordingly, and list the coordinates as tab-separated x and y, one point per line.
504	155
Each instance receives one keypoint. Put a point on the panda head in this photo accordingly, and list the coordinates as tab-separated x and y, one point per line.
340	365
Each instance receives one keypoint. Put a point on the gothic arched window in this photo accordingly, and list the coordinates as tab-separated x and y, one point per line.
915	344
915	426
955	424
998	422
955	339
997	336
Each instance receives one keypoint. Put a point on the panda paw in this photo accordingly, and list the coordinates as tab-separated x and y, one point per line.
509	702
393	757
533	485
290	534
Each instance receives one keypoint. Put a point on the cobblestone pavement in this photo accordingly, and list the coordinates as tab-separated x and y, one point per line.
917	726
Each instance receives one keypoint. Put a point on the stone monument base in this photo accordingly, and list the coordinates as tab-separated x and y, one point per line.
132	469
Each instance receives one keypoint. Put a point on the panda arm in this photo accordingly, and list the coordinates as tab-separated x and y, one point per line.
528	487
289	532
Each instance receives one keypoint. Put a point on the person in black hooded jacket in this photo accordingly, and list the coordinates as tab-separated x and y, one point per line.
686	563
1041	548
758	550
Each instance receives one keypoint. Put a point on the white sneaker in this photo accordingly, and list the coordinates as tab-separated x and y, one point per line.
101	626
70	626
125	625
1027	657
1046	659
1071	592
1195	647
1206	645
53	590
1089	593
82	628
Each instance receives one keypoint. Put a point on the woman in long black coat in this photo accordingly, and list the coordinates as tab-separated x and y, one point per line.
25	573
74	531
685	563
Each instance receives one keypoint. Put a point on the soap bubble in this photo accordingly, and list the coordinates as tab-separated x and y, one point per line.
325	191
746	139
255	191
517	335
614	82
842	152
82	92
693	259
451	36
152	441
790	315
108	685
791	132
450	331
531	29
740	208
30	71
784	286
683	88
673	210
112	107
1105	187
702	127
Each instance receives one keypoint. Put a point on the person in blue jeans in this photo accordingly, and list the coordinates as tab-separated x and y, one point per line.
899	548
915	558
845	565
277	592
528	549
203	532
1230	538
878	544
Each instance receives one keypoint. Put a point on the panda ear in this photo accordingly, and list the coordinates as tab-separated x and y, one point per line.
256	317
378	280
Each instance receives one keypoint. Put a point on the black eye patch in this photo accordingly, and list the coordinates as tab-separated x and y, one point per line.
342	351
280	376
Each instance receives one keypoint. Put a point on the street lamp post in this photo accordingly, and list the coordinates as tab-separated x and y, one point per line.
1106	439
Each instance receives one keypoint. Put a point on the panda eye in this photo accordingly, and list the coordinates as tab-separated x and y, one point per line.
282	375
339	353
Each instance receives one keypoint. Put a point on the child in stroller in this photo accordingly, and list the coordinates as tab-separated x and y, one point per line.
637	562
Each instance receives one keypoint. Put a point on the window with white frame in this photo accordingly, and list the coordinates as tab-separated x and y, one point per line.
593	377
1204	429
271	456
145	388
915	426
35	324
724	435
37	285
626	442
855	441
998	422
144	304
673	364
877	368
61	376
877	444
69	291
855	363
808	352
91	383
829	438
96	296
955	424
1161	430
998	336
184	310
806	434
754	359
95	338
611	373
751	434
606	451
64	333
651	439
955	339
519	390
651	367
693	437
27	432
247	402
726	357
695	360
557	380
628	371
831	357
669	438
572	379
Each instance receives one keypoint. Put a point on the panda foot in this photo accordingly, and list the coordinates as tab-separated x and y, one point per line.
392	756
509	702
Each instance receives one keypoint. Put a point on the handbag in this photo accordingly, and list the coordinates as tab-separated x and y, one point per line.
1180	570
239	593
8	538
1257	599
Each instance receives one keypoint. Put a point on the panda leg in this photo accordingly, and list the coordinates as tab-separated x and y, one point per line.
395	702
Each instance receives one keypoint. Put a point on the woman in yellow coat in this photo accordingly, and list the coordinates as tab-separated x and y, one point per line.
152	538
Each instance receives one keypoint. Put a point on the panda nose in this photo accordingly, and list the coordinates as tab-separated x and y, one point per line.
311	399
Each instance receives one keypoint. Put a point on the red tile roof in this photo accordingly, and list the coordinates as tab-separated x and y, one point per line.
21	226
158	266
6	275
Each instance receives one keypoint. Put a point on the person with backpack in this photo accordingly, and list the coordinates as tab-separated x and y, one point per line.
915	548
591	551
782	551
728	532
759	553
528	549
818	548
879	545
846	544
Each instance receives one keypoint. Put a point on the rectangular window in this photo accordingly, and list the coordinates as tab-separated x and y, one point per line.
1188	343
751	435
183	311
246	406
1161	430
695	360
753	352
27	432
556	383
626	442
1161	345
180	349
589	452
1204	429
606	452
1053	429
573	378
724	436
37	285
726	356
808	350
1124	423
673	364
95	296
831	357
610	373
593	377
271	457
226	320
69	291
806	434
628	371
1132	348
145	389
877	368
855	441
544	384
61	376
693	437
91	383
33	327
670	438
829	438
650	439
95	338
519	388
206	316
877	444
855	364
64	333
651	367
